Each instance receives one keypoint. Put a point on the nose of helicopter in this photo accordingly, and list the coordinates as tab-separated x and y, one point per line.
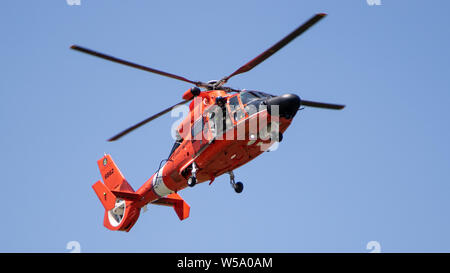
288	105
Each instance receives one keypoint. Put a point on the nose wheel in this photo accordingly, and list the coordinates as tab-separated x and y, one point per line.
237	186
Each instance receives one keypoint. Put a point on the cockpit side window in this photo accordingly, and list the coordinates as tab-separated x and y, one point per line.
197	127
235	108
252	101
177	144
219	120
234	102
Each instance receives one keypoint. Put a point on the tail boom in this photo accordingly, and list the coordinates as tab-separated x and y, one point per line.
122	204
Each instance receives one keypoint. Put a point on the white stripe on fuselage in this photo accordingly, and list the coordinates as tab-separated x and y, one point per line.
158	184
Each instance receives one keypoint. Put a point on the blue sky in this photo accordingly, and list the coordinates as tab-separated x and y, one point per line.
376	171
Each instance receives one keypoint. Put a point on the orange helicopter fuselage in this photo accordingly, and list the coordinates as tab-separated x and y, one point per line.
213	155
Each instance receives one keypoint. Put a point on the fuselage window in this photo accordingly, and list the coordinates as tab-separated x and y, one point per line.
239	114
197	127
219	121
212	118
251	109
235	108
233	102
177	144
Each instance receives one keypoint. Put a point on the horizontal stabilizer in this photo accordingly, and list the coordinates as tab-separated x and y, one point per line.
105	196
127	195
174	200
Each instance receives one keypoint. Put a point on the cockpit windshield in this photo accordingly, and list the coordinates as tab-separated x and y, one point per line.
249	96
177	143
252	100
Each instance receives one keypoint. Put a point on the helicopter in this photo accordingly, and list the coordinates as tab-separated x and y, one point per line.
224	129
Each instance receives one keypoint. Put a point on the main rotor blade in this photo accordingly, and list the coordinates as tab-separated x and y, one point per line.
322	105
269	52
121	134
138	66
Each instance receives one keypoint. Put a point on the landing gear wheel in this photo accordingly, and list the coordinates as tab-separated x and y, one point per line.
192	181
238	187
193	178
